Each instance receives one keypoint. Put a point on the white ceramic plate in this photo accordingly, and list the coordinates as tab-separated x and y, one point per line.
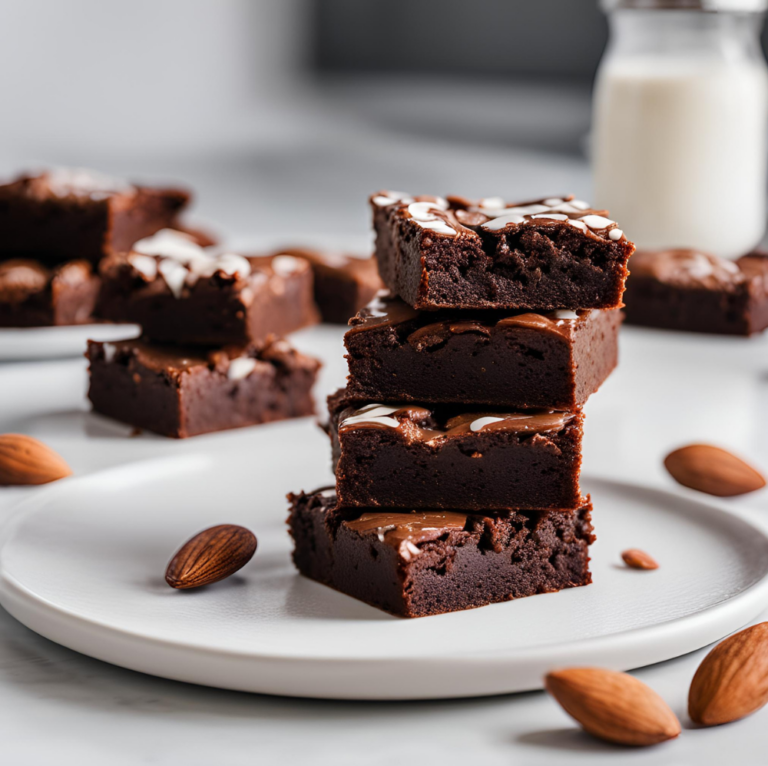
83	562
25	343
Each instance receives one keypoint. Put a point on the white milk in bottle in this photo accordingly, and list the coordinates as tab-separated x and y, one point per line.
681	125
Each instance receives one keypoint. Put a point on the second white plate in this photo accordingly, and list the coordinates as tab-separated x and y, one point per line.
27	343
83	565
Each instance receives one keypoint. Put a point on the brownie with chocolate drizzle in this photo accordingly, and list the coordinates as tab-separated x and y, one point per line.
411	456
521	360
453	252
66	214
182	293
698	292
425	562
179	392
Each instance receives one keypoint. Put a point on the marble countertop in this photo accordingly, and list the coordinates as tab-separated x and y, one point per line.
59	706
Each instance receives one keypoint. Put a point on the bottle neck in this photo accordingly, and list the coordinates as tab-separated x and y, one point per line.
728	37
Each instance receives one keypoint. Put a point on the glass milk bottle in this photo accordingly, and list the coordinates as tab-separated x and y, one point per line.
681	124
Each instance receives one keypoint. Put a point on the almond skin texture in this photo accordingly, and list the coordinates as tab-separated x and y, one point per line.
25	461
732	681
713	470
613	706
212	555
637	559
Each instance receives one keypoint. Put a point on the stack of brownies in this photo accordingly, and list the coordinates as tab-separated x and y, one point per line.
211	355
457	441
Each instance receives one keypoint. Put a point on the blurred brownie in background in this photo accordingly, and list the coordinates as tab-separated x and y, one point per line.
180	293
65	214
179	392
343	283
32	295
698	292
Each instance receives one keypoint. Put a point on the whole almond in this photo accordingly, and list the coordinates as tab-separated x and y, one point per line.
732	681
613	706
210	556
713	470
24	461
637	559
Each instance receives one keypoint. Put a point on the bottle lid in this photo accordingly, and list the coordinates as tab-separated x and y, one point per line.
733	6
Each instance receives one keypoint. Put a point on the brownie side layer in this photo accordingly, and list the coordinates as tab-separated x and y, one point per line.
177	392
218	309
480	359
542	264
487	560
424	463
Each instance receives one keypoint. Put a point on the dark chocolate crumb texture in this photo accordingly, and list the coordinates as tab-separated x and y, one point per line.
525	360
410	456
427	562
555	253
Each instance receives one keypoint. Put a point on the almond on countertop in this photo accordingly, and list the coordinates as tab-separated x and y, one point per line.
637	559
713	470
613	706
210	556
732	681
27	461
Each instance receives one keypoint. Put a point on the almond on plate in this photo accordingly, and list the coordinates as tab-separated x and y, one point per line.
25	460
210	556
613	706
637	559
713	470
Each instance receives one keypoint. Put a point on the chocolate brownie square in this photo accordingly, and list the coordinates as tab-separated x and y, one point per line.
698	292
67	214
411	456
32	295
181	293
343	283
428	562
179	392
524	360
555	253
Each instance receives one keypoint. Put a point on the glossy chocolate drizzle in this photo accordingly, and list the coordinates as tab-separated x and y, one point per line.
387	311
414	527
419	422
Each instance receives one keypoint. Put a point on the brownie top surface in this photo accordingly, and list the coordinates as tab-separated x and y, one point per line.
175	258
236	362
21	277
687	268
418	423
79	185
425	328
454	216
